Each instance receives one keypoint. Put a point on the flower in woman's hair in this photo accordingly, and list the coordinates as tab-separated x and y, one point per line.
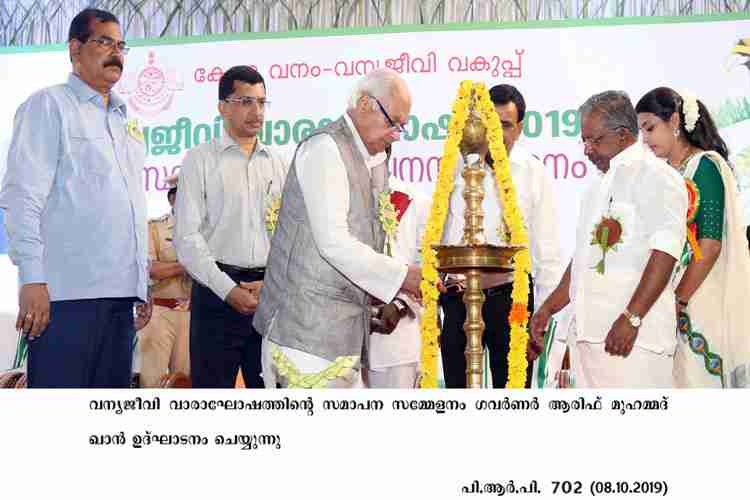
690	112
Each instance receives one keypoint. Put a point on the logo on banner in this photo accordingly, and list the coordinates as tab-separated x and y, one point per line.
152	89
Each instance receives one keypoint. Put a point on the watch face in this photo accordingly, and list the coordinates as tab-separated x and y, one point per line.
635	321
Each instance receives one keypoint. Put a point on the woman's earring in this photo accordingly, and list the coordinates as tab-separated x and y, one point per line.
676	133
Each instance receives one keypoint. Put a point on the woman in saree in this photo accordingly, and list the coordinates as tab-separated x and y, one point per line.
713	276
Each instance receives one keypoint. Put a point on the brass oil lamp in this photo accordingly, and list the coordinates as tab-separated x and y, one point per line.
474	255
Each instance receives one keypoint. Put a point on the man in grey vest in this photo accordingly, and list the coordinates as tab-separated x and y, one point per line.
326	260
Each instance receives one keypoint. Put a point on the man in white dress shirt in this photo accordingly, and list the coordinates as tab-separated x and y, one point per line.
537	203
221	236
394	354
326	262
622	303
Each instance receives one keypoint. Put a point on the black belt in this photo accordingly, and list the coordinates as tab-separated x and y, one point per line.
495	289
487	291
237	269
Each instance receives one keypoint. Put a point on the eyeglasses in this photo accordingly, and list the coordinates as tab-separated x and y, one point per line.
596	141
393	124
248	101
107	43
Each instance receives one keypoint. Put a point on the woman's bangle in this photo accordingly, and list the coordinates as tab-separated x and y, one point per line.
681	302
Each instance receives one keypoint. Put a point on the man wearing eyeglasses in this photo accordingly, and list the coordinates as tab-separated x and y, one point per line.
631	231
76	217
326	259
221	236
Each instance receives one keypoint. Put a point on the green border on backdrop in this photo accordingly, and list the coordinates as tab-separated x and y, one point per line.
405	28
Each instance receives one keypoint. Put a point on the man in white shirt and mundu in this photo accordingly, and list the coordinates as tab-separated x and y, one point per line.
326	260
395	348
537	203
618	282
221	236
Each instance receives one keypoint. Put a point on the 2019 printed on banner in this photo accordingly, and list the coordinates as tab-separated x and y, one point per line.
176	138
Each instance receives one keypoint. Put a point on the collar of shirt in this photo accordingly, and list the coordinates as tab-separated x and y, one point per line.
226	141
632	153
85	93
370	160
519	155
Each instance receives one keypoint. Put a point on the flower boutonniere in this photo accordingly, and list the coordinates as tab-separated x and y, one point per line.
392	205
273	205
135	131
606	235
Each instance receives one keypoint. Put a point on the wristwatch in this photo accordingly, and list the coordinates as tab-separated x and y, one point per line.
634	319
401	306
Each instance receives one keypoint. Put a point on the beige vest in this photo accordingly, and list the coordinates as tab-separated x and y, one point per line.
305	303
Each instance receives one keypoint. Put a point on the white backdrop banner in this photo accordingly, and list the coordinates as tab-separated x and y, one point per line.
171	86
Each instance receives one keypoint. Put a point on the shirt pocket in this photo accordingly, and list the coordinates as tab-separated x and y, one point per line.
624	213
87	150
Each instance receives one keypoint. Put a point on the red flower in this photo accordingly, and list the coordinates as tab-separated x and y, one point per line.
614	232
400	202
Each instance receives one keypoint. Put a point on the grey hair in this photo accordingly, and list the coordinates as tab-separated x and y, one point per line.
615	108
379	83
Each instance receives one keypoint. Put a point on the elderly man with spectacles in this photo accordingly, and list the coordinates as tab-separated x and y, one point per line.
76	217
221	235
327	260
631	231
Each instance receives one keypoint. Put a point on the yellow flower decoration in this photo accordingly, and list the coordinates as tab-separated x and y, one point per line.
513	220
134	130
389	220
342	367
434	233
273	205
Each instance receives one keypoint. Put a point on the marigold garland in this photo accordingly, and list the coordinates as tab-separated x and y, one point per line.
513	219
434	232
